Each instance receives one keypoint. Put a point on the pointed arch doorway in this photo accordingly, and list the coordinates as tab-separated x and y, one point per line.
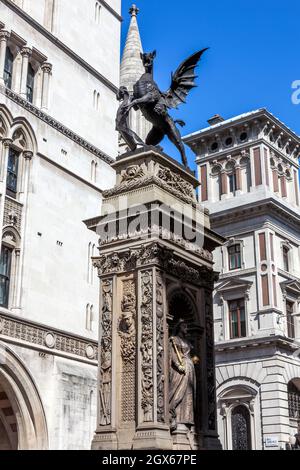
22	417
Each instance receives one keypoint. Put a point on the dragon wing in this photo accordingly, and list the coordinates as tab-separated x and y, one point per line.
183	80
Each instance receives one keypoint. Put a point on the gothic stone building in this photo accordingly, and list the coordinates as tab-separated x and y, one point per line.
57	140
248	168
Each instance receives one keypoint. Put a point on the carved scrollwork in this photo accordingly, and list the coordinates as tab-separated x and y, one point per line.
127	333
147	345
106	354
127	328
116	262
132	173
160	348
176	182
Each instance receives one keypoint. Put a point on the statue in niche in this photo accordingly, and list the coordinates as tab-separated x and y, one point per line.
182	379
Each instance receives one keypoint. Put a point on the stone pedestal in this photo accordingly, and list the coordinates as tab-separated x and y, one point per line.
155	265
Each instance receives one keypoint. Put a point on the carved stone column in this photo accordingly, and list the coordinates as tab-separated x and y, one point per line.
153	431
46	68
26	53
209	400
4	36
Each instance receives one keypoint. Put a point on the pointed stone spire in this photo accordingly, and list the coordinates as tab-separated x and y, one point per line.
131	71
131	65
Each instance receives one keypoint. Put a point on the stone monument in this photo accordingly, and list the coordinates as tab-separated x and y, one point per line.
156	385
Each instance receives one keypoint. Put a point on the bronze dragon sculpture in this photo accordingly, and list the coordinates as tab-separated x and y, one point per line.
154	104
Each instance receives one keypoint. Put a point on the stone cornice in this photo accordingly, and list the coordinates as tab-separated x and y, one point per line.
145	182
42	30
240	273
255	342
267	207
237	150
56	125
230	123
46	339
156	254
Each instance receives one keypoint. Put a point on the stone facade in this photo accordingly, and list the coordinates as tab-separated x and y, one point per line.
248	168
57	141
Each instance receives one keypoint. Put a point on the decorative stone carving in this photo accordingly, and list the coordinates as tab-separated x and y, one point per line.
127	329
176	182
147	345
90	351
30	333
132	173
2	127
12	213
116	262
127	333
154	254
19	138
50	340
147	180
160	348
106	354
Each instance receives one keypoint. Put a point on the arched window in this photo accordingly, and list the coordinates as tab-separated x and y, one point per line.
30	83
96	100
241	432
89	318
5	274
12	173
294	400
9	266
97	12
8	68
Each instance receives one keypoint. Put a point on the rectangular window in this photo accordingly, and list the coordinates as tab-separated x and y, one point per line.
8	68
235	257
237	318
5	270
285	255
12	173
290	319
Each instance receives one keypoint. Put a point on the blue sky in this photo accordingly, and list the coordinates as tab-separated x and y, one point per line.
252	61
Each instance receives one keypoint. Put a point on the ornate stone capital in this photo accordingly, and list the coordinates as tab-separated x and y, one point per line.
7	142
26	52
4	35
28	154
46	67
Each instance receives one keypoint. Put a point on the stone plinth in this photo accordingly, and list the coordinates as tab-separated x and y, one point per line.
155	265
